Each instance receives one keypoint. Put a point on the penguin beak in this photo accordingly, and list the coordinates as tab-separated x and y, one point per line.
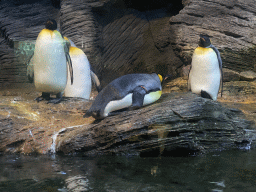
201	42
165	78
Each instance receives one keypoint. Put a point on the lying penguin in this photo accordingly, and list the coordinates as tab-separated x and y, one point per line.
48	65
82	73
206	74
129	91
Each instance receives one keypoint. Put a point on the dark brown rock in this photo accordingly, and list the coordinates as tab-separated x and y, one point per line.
176	122
230	75
119	38
239	88
230	23
248	76
20	22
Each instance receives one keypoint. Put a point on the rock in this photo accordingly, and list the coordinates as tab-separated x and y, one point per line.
231	25
179	84
240	88
121	37
18	26
121	41
230	75
184	124
185	2
248	76
178	122
185	71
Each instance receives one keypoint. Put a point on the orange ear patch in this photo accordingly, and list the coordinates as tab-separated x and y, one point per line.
75	51
160	77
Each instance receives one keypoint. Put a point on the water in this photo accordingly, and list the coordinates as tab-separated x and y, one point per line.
220	171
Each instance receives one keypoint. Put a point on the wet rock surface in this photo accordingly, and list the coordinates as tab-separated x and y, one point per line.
121	38
179	123
29	126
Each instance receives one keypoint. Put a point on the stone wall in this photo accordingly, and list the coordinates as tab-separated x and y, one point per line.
20	23
122	36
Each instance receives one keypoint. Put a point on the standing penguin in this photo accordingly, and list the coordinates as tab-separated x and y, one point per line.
206	70
48	65
82	73
132	90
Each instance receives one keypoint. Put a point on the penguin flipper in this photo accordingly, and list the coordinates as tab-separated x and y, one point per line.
69	62
96	81
220	65
221	83
30	69
138	97
189	84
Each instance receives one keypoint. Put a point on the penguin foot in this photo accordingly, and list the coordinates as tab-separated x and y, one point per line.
44	96
55	101
39	99
133	107
58	98
113	113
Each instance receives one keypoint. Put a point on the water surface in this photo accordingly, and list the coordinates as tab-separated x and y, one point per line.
220	171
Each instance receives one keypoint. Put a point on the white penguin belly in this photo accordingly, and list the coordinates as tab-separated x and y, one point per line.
151	97
127	102
50	68
81	86
118	104
205	74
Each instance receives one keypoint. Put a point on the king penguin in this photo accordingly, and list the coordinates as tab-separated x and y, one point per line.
82	73
48	65
206	74
128	91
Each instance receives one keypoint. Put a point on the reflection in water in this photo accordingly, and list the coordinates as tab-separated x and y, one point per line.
220	171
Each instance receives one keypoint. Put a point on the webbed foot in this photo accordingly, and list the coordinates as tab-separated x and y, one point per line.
57	100
44	96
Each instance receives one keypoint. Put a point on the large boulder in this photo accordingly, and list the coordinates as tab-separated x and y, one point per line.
177	124
119	37
230	23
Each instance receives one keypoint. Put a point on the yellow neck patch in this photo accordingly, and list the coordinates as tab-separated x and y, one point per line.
202	50
46	32
75	51
160	77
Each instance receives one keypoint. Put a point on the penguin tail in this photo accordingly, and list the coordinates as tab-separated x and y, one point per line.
87	114
94	114
96	81
204	94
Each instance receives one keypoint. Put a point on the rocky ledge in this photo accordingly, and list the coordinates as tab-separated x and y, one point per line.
177	124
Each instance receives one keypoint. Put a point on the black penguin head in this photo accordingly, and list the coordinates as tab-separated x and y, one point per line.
204	40
51	24
163	78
